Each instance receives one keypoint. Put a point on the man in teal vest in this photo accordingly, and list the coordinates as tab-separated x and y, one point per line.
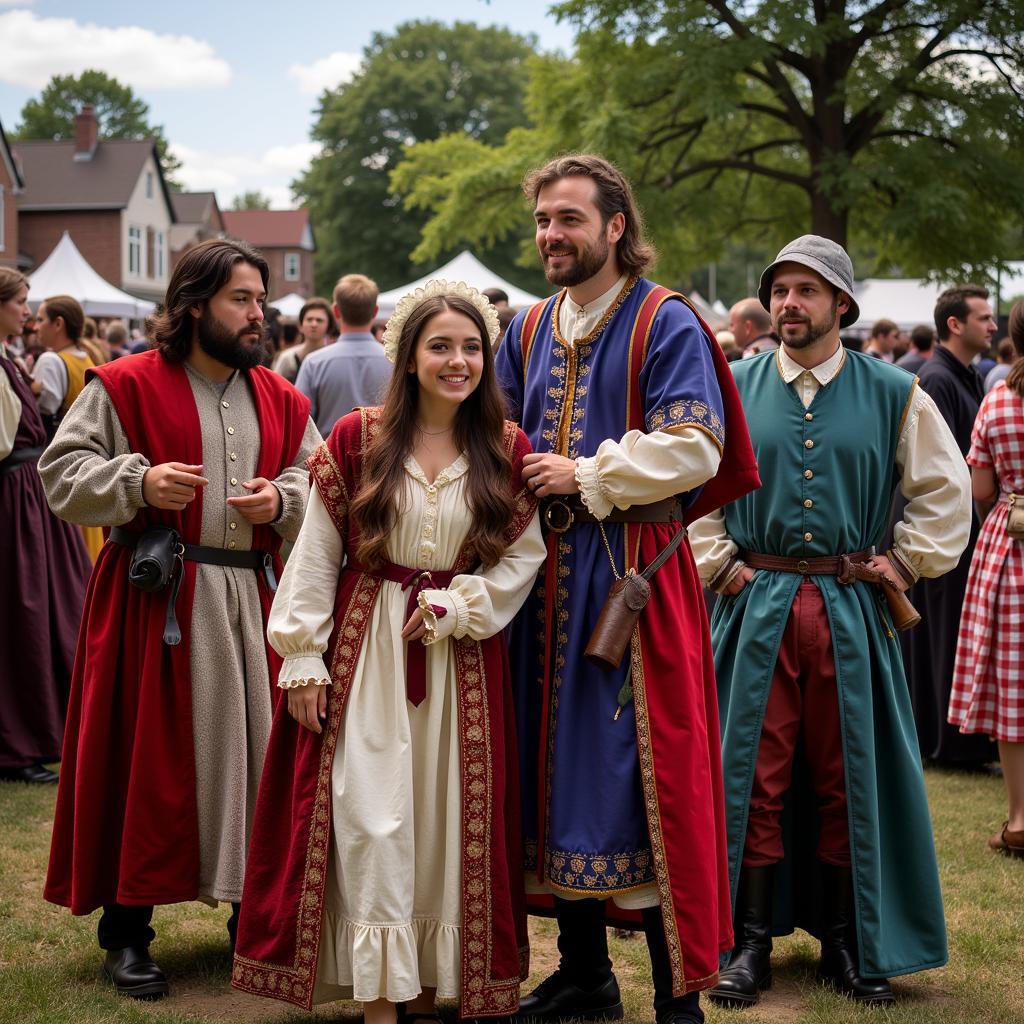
826	815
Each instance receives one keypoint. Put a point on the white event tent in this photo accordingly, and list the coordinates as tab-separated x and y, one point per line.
67	272
465	267
288	305
906	301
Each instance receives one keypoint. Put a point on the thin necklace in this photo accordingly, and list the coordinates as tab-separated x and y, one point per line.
433	433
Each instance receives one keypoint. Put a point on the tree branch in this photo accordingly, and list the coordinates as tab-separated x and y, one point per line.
799	180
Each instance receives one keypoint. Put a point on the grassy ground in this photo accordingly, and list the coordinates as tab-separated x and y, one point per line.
49	963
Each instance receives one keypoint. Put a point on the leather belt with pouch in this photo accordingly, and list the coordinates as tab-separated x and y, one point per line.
621	611
1015	519
157	563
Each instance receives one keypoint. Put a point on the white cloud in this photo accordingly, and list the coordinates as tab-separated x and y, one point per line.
34	49
270	172
325	73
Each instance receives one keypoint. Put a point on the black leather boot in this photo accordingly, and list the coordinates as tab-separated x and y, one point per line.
134	974
668	1009
583	988
839	960
232	926
749	972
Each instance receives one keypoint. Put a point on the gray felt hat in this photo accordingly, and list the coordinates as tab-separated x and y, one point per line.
823	256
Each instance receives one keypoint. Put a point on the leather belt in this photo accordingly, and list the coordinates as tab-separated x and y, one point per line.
560	512
829	565
210	556
18	457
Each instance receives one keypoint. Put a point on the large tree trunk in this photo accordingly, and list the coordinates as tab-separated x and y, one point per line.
827	221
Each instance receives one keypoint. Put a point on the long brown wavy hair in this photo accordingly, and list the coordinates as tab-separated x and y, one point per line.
1015	378
202	271
479	431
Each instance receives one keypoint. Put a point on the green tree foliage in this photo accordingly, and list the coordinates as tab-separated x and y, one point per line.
254	200
894	126
119	112
418	83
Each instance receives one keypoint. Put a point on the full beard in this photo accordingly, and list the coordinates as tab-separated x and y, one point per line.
812	331
587	262
241	350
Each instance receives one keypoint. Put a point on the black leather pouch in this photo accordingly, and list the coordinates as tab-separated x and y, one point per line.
155	559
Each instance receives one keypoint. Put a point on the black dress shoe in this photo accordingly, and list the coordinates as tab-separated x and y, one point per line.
556	998
34	773
134	974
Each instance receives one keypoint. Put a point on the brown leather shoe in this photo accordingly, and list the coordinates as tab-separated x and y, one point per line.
1008	842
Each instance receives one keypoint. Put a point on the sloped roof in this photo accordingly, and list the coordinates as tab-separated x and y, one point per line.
54	180
263	228
8	158
192	207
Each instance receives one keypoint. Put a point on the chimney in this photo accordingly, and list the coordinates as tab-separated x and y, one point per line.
86	131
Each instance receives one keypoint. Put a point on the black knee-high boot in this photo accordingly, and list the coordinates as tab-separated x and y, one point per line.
668	1009
749	971
583	987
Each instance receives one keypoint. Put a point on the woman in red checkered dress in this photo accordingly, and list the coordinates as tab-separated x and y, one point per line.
988	682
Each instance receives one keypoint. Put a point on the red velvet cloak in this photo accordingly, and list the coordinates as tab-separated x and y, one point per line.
126	829
285	884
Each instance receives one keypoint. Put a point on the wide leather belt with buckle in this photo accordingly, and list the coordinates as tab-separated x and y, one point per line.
829	565
560	512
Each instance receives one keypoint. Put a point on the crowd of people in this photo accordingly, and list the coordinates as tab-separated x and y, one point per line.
485	682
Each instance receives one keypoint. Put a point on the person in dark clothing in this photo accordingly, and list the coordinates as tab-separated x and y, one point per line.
922	341
965	326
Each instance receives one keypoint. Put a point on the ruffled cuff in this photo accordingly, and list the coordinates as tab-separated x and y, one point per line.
903	565
445	613
589	483
303	669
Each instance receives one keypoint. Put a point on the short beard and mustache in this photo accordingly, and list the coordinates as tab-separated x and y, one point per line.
588	261
813	331
228	347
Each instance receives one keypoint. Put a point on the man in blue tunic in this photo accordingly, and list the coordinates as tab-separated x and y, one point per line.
637	429
826	813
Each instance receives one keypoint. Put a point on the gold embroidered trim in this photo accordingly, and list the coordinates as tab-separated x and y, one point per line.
601	324
688	412
330	484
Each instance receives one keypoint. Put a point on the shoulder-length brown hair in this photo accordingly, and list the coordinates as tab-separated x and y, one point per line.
479	432
1015	378
202	271
11	282
613	195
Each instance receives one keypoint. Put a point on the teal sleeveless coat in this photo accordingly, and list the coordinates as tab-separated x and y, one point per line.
829	473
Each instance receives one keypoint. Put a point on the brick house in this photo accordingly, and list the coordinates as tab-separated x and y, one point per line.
11	184
285	237
109	195
197	218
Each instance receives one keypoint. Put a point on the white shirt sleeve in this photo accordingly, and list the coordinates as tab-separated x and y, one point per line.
712	547
51	373
10	414
644	468
482	604
302	616
936	482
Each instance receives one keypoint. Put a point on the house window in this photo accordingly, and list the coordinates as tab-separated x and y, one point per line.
3	218
292	263
150	251
135	250
149	184
161	267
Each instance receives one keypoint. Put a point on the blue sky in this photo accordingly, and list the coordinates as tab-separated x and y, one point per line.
234	85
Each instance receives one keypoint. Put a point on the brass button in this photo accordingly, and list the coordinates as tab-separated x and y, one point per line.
808	503
802	566
808	416
225	404
808	474
232	456
808	443
234	481
808	536
231	430
231	543
232	526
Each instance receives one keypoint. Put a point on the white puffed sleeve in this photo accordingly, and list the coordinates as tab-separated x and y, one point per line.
482	604
644	468
302	617
936	482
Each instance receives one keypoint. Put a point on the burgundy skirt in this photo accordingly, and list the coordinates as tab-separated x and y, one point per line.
44	569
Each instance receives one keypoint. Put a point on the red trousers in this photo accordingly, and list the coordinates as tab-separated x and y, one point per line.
802	697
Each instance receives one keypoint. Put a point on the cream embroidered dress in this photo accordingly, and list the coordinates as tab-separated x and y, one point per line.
391	921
